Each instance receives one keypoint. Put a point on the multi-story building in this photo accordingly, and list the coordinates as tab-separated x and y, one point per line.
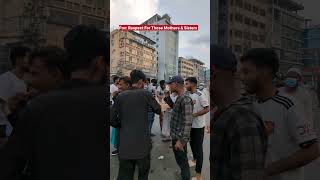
185	68
311	55
285	34
242	24
206	76
245	24
198	69
45	22
130	50
167	45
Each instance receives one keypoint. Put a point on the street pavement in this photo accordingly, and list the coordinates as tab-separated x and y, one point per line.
167	168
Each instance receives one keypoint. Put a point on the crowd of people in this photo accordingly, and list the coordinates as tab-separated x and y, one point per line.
181	106
52	110
264	132
52	123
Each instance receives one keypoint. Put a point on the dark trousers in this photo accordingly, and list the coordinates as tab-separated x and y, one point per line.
196	144
182	161
151	119
127	168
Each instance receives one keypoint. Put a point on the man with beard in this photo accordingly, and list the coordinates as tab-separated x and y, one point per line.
238	140
292	142
200	108
62	132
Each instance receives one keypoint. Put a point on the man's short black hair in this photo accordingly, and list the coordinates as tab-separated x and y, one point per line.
126	80
148	80
83	44
162	82
55	58
192	80
115	78
18	52
154	81
137	75
262	57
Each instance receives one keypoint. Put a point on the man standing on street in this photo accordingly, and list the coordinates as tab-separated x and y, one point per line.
130	115
238	140
200	108
180	125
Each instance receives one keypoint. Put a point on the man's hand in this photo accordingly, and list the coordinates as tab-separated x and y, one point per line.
179	146
15	102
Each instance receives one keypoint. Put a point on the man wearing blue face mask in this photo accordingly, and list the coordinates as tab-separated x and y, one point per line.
295	88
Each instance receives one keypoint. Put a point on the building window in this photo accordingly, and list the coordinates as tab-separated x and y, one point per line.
246	35
254	23
262	12
277	15
157	32
238	34
232	2
231	33
239	3
231	17
63	18
254	37
130	58
239	18
255	9
247	6
247	21
262	26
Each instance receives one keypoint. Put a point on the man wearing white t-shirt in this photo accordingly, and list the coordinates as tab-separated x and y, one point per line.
292	143
200	108
11	83
114	88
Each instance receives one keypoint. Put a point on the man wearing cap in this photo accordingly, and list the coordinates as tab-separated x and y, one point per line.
181	124
294	87
238	139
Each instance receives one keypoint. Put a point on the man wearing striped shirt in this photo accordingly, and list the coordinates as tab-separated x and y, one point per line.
181	124
292	141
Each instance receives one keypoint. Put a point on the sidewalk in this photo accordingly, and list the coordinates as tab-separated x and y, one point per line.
165	169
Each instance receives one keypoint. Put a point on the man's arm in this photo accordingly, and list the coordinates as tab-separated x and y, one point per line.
202	112
155	106
205	104
114	114
305	137
187	111
300	158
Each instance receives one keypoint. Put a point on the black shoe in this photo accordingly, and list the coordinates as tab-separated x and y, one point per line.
115	152
153	135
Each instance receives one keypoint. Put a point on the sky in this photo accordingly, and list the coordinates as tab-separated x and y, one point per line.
194	44
311	7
